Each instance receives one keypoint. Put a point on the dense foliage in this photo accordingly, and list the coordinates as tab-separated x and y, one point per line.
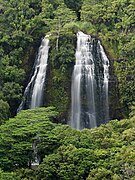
59	75
19	133
106	152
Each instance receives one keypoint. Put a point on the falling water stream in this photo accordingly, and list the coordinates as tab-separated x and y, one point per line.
37	92
89	89
105	81
33	93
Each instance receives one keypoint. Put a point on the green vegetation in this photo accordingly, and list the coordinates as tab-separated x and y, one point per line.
61	65
4	111
19	28
106	152
18	134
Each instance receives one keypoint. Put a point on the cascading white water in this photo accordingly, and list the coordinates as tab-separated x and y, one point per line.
105	81
76	105
35	87
36	158
89	91
37	93
83	71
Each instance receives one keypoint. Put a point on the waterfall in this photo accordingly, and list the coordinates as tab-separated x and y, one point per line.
35	155
105	81
83	71
37	92
89	89
33	94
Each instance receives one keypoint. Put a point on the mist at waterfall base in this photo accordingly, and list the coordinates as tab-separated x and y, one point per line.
33	94
90	78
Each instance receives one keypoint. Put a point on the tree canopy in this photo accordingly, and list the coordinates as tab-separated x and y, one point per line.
65	153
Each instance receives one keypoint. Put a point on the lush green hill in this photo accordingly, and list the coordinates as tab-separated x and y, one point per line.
106	152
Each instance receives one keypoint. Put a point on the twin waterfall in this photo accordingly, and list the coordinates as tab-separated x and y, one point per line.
33	95
89	89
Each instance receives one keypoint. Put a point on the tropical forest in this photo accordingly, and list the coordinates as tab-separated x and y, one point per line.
67	89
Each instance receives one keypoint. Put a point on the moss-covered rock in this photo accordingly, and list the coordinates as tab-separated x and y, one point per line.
59	75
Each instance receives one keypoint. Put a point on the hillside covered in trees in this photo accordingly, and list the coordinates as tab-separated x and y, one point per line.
106	152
